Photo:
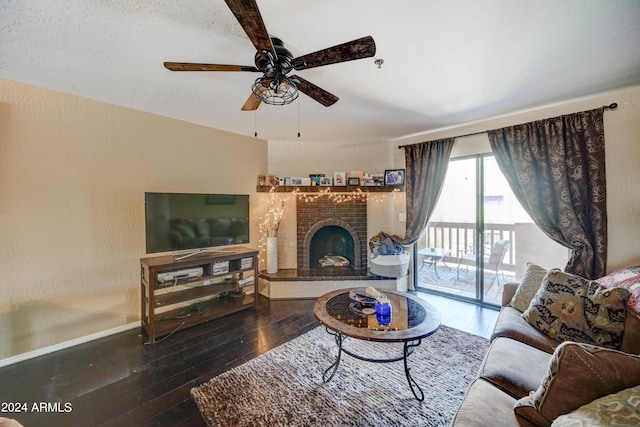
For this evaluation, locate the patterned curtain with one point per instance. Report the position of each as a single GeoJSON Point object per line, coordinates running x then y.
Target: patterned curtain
{"type": "Point", "coordinates": [556, 169]}
{"type": "Point", "coordinates": [426, 165]}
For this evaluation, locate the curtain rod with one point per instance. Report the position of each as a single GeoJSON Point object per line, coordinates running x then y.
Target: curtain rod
{"type": "Point", "coordinates": [611, 106]}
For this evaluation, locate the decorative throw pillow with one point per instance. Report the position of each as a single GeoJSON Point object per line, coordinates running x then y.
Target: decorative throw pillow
{"type": "Point", "coordinates": [571, 308]}
{"type": "Point", "coordinates": [618, 409]}
{"type": "Point", "coordinates": [528, 287]}
{"type": "Point", "coordinates": [628, 278]}
{"type": "Point", "coordinates": [578, 374]}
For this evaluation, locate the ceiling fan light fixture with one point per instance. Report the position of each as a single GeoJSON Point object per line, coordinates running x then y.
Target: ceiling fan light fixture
{"type": "Point", "coordinates": [279, 90]}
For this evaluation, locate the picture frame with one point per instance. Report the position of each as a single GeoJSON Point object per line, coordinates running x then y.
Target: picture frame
{"type": "Point", "coordinates": [354, 181]}
{"type": "Point", "coordinates": [340, 179]}
{"type": "Point", "coordinates": [315, 178]}
{"type": "Point", "coordinates": [378, 179]}
{"type": "Point", "coordinates": [394, 177]}
{"type": "Point", "coordinates": [368, 181]}
{"type": "Point", "coordinates": [296, 181]}
{"type": "Point", "coordinates": [326, 181]}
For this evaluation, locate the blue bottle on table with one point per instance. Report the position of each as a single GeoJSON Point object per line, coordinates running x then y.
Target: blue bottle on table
{"type": "Point", "coordinates": [383, 312]}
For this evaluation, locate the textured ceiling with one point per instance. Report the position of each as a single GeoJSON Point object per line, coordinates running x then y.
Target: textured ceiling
{"type": "Point", "coordinates": [445, 62]}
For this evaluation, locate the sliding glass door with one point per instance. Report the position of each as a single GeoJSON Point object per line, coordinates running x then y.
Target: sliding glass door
{"type": "Point", "coordinates": [479, 236]}
{"type": "Point", "coordinates": [450, 234]}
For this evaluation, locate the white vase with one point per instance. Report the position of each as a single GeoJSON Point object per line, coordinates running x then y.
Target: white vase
{"type": "Point", "coordinates": [272, 254]}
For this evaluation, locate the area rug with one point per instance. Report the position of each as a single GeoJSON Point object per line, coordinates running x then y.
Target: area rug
{"type": "Point", "coordinates": [284, 386]}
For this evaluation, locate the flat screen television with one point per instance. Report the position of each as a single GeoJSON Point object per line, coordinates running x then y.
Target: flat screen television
{"type": "Point", "coordinates": [189, 221]}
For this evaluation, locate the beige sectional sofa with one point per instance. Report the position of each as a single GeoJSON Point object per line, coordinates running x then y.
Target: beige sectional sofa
{"type": "Point", "coordinates": [529, 378]}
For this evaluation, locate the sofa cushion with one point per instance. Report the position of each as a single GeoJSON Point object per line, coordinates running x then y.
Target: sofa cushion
{"type": "Point", "coordinates": [510, 324]}
{"type": "Point", "coordinates": [618, 409]}
{"type": "Point", "coordinates": [628, 278]}
{"type": "Point", "coordinates": [578, 374]}
{"type": "Point", "coordinates": [528, 287]}
{"type": "Point", "coordinates": [514, 367]}
{"type": "Point", "coordinates": [571, 308]}
{"type": "Point", "coordinates": [487, 406]}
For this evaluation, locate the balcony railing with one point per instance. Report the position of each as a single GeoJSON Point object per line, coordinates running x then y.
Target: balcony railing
{"type": "Point", "coordinates": [460, 238]}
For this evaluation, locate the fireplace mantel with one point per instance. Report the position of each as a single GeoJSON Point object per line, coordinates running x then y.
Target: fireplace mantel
{"type": "Point", "coordinates": [333, 189]}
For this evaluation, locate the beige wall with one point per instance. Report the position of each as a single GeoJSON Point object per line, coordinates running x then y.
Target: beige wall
{"type": "Point", "coordinates": [622, 139]}
{"type": "Point", "coordinates": [73, 173]}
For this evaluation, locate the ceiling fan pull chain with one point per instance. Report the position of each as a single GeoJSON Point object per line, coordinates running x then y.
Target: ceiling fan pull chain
{"type": "Point", "coordinates": [255, 123]}
{"type": "Point", "coordinates": [298, 117]}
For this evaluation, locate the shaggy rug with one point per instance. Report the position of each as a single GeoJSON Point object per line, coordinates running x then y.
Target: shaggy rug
{"type": "Point", "coordinates": [284, 386]}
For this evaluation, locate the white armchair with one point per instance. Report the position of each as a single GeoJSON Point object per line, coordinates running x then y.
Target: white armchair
{"type": "Point", "coordinates": [493, 261]}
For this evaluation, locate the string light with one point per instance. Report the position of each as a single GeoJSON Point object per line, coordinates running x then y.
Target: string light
{"type": "Point", "coordinates": [269, 223]}
{"type": "Point", "coordinates": [343, 197]}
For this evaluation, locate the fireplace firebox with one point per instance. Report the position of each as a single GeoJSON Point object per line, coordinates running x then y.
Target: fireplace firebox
{"type": "Point", "coordinates": [331, 246]}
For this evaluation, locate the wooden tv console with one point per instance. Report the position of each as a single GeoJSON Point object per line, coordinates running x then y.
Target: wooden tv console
{"type": "Point", "coordinates": [177, 294]}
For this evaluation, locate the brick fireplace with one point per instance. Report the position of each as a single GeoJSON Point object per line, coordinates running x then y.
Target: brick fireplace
{"type": "Point", "coordinates": [325, 226]}
{"type": "Point", "coordinates": [329, 227]}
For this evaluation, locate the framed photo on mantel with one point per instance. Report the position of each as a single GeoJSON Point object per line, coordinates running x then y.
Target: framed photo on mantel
{"type": "Point", "coordinates": [315, 178]}
{"type": "Point", "coordinates": [354, 181]}
{"type": "Point", "coordinates": [326, 181]}
{"type": "Point", "coordinates": [394, 177]}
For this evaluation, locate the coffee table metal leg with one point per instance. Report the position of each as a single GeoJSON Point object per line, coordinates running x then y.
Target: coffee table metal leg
{"type": "Point", "coordinates": [334, 367]}
{"type": "Point", "coordinates": [415, 388]}
{"type": "Point", "coordinates": [409, 347]}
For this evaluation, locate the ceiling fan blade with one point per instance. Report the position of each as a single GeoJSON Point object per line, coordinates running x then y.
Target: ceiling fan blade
{"type": "Point", "coordinates": [322, 96]}
{"type": "Point", "coordinates": [188, 66]}
{"type": "Point", "coordinates": [250, 19]}
{"type": "Point", "coordinates": [364, 47]}
{"type": "Point", "coordinates": [252, 103]}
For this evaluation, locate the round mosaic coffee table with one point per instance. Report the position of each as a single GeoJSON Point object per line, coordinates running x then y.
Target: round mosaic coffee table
{"type": "Point", "coordinates": [411, 320]}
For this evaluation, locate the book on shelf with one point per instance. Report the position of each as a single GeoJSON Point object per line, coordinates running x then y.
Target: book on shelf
{"type": "Point", "coordinates": [221, 267]}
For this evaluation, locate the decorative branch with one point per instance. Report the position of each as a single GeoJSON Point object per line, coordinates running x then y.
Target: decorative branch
{"type": "Point", "coordinates": [269, 224]}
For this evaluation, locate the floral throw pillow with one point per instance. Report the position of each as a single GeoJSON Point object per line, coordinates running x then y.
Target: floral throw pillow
{"type": "Point", "coordinates": [617, 409]}
{"type": "Point", "coordinates": [571, 308]}
{"type": "Point", "coordinates": [628, 278]}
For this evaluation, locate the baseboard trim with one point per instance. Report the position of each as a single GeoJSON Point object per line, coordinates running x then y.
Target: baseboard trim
{"type": "Point", "coordinates": [310, 289]}
{"type": "Point", "coordinates": [66, 344]}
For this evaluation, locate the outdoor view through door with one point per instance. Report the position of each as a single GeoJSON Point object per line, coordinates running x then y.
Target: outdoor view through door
{"type": "Point", "coordinates": [479, 236]}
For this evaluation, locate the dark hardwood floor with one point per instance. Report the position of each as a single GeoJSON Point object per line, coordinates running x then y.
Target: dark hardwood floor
{"type": "Point", "coordinates": [119, 381]}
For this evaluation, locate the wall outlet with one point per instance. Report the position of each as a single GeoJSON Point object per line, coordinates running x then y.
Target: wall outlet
{"type": "Point", "coordinates": [402, 217]}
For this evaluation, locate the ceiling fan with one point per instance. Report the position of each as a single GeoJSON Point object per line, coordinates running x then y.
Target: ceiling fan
{"type": "Point", "coordinates": [275, 62]}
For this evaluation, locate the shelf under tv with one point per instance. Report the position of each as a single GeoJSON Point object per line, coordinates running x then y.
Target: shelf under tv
{"type": "Point", "coordinates": [228, 283]}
